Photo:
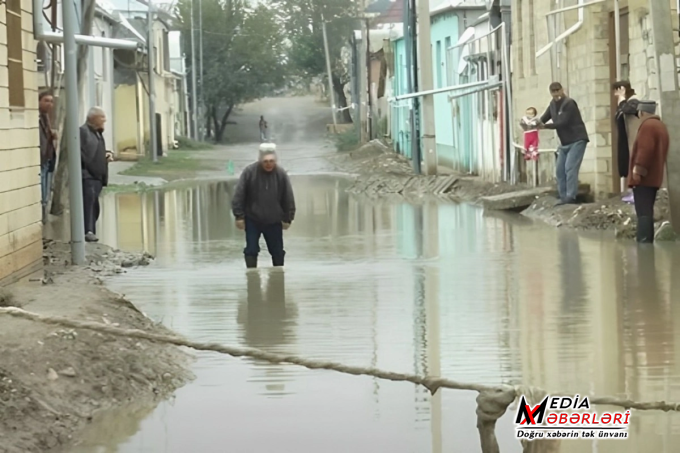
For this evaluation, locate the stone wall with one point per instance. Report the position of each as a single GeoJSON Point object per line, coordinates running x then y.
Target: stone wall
{"type": "Point", "coordinates": [20, 213]}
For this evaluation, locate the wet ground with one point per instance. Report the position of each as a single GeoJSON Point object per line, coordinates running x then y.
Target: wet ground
{"type": "Point", "coordinates": [436, 289]}
{"type": "Point", "coordinates": [432, 289]}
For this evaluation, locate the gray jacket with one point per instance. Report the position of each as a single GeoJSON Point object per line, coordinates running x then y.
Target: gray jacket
{"type": "Point", "coordinates": [264, 197]}
{"type": "Point", "coordinates": [93, 155]}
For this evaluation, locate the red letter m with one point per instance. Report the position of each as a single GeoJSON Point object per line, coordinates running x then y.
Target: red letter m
{"type": "Point", "coordinates": [526, 414]}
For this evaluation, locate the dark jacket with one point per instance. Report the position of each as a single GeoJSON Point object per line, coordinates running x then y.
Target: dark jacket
{"type": "Point", "coordinates": [566, 119]}
{"type": "Point", "coordinates": [264, 197]}
{"type": "Point", "coordinates": [93, 155]}
{"type": "Point", "coordinates": [47, 151]}
{"type": "Point", "coordinates": [649, 153]}
{"type": "Point", "coordinates": [627, 125]}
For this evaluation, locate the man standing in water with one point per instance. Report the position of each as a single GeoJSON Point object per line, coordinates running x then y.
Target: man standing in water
{"type": "Point", "coordinates": [264, 205]}
{"type": "Point", "coordinates": [646, 171]}
{"type": "Point", "coordinates": [566, 119]}
{"type": "Point", "coordinates": [263, 129]}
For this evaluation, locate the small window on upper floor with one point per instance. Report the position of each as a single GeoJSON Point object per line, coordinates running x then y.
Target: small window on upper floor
{"type": "Point", "coordinates": [15, 54]}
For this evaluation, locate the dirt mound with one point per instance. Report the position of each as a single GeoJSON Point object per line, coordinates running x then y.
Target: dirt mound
{"type": "Point", "coordinates": [52, 380]}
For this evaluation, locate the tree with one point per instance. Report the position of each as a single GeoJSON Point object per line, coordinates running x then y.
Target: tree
{"type": "Point", "coordinates": [303, 22]}
{"type": "Point", "coordinates": [243, 55]}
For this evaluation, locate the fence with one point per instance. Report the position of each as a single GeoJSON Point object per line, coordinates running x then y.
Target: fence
{"type": "Point", "coordinates": [479, 115]}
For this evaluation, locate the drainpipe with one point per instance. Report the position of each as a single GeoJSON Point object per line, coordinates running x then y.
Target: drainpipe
{"type": "Point", "coordinates": [617, 33]}
{"type": "Point", "coordinates": [56, 37]}
{"type": "Point", "coordinates": [573, 29]}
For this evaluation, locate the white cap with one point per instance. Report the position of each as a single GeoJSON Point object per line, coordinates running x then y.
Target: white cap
{"type": "Point", "coordinates": [268, 147]}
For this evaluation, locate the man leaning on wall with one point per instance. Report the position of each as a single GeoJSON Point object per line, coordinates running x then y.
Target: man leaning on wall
{"type": "Point", "coordinates": [48, 149]}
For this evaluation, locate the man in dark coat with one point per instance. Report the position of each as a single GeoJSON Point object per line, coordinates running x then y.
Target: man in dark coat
{"type": "Point", "coordinates": [264, 205]}
{"type": "Point", "coordinates": [566, 119]}
{"type": "Point", "coordinates": [647, 164]}
{"type": "Point", "coordinates": [48, 152]}
{"type": "Point", "coordinates": [94, 160]}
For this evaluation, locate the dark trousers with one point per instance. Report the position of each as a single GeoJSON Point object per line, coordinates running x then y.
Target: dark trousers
{"type": "Point", "coordinates": [92, 188]}
{"type": "Point", "coordinates": [644, 198]}
{"type": "Point", "coordinates": [273, 236]}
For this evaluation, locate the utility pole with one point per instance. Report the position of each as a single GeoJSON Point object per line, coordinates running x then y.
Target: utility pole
{"type": "Point", "coordinates": [425, 65]}
{"type": "Point", "coordinates": [151, 57]}
{"type": "Point", "coordinates": [194, 92]}
{"type": "Point", "coordinates": [75, 184]}
{"type": "Point", "coordinates": [412, 80]}
{"type": "Point", "coordinates": [331, 95]}
{"type": "Point", "coordinates": [200, 65]}
{"type": "Point", "coordinates": [363, 64]}
{"type": "Point", "coordinates": [669, 97]}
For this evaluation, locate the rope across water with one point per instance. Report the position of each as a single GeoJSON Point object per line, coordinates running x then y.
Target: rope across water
{"type": "Point", "coordinates": [492, 401]}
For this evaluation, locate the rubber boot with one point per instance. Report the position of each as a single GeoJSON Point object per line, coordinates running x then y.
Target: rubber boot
{"type": "Point", "coordinates": [277, 261]}
{"type": "Point", "coordinates": [645, 230]}
{"type": "Point", "coordinates": [251, 262]}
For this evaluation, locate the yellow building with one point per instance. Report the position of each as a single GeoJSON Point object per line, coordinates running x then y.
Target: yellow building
{"type": "Point", "coordinates": [586, 65]}
{"type": "Point", "coordinates": [20, 216]}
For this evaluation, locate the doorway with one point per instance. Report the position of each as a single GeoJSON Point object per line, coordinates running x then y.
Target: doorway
{"type": "Point", "coordinates": [159, 135]}
{"type": "Point", "coordinates": [625, 75]}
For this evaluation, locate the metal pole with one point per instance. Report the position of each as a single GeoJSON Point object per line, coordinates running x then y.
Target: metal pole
{"type": "Point", "coordinates": [153, 139]}
{"type": "Point", "coordinates": [331, 95]}
{"type": "Point", "coordinates": [425, 64]}
{"type": "Point", "coordinates": [73, 134]}
{"type": "Point", "coordinates": [200, 65]}
{"type": "Point", "coordinates": [194, 92]}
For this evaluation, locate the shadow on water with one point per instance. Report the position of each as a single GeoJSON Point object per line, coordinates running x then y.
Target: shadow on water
{"type": "Point", "coordinates": [428, 289]}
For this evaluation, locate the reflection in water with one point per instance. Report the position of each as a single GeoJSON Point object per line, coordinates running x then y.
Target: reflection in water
{"type": "Point", "coordinates": [430, 289]}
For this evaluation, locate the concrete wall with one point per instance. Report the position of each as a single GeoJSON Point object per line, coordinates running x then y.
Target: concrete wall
{"type": "Point", "coordinates": [20, 227]}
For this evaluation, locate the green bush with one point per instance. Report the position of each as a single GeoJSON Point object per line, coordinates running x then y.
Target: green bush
{"type": "Point", "coordinates": [347, 140]}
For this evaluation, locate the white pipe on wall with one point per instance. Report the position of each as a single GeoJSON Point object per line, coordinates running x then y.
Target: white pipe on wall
{"type": "Point", "coordinates": [573, 29]}
{"type": "Point", "coordinates": [55, 37]}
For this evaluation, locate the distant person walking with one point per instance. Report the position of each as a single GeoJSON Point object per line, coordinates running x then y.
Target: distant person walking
{"type": "Point", "coordinates": [264, 205]}
{"type": "Point", "coordinates": [48, 150]}
{"type": "Point", "coordinates": [646, 170]}
{"type": "Point", "coordinates": [95, 168]}
{"type": "Point", "coordinates": [627, 125]}
{"type": "Point", "coordinates": [263, 129]}
{"type": "Point", "coordinates": [565, 118]}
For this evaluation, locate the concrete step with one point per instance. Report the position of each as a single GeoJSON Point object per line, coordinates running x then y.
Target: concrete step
{"type": "Point", "coordinates": [522, 199]}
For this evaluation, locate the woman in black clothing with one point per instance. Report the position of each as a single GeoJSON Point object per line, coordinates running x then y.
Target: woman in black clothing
{"type": "Point", "coordinates": [627, 125]}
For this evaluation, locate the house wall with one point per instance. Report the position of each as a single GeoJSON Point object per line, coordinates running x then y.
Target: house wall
{"type": "Point", "coordinates": [401, 130]}
{"type": "Point", "coordinates": [125, 119]}
{"type": "Point", "coordinates": [20, 213]}
{"type": "Point", "coordinates": [586, 75]}
{"type": "Point", "coordinates": [103, 80]}
{"type": "Point", "coordinates": [444, 33]}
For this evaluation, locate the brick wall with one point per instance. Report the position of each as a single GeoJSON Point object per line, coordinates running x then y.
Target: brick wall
{"type": "Point", "coordinates": [583, 71]}
{"type": "Point", "coordinates": [20, 227]}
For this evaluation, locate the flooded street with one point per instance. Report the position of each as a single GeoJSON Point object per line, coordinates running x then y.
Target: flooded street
{"type": "Point", "coordinates": [442, 290]}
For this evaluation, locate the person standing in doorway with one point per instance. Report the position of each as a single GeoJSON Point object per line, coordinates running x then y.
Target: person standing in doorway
{"type": "Point", "coordinates": [627, 125]}
{"type": "Point", "coordinates": [565, 118]}
{"type": "Point", "coordinates": [95, 168]}
{"type": "Point", "coordinates": [48, 150]}
{"type": "Point", "coordinates": [263, 129]}
{"type": "Point", "coordinates": [646, 169]}
{"type": "Point", "coordinates": [264, 205]}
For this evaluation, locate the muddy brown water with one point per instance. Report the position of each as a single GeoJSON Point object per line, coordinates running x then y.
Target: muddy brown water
{"type": "Point", "coordinates": [432, 289]}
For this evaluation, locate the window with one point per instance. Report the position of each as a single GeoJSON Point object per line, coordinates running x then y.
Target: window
{"type": "Point", "coordinates": [439, 64]}
{"type": "Point", "coordinates": [15, 54]}
{"type": "Point", "coordinates": [448, 65]}
{"type": "Point", "coordinates": [166, 51]}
